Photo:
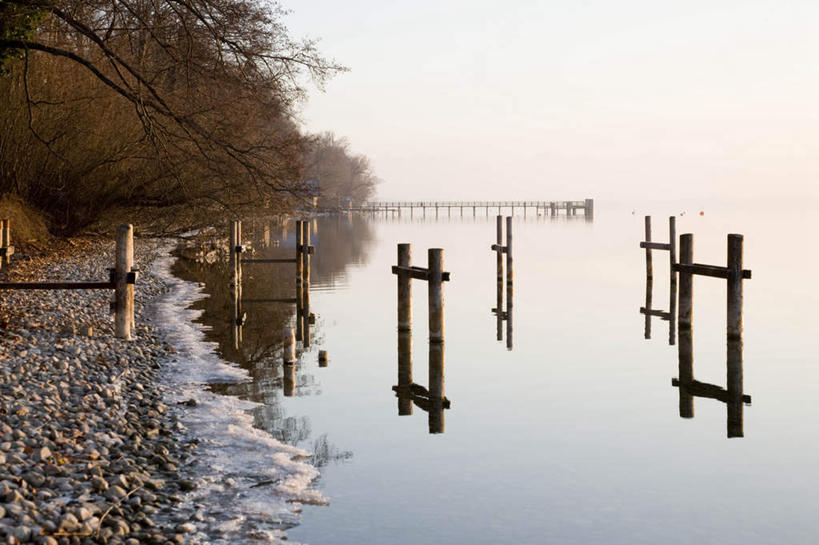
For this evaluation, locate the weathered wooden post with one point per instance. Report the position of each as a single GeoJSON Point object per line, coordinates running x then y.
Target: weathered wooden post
{"type": "Point", "coordinates": [306, 284]}
{"type": "Point", "coordinates": [686, 300]}
{"type": "Point", "coordinates": [734, 286]}
{"type": "Point", "coordinates": [436, 387]}
{"type": "Point", "coordinates": [510, 273]}
{"type": "Point", "coordinates": [649, 268]}
{"type": "Point", "coordinates": [499, 249]}
{"type": "Point", "coordinates": [435, 257]}
{"type": "Point", "coordinates": [589, 208]}
{"type": "Point", "coordinates": [299, 280]}
{"type": "Point", "coordinates": [672, 258]}
{"type": "Point", "coordinates": [404, 373]}
{"type": "Point", "coordinates": [404, 288]}
{"type": "Point", "coordinates": [649, 289]}
{"type": "Point", "coordinates": [124, 290]}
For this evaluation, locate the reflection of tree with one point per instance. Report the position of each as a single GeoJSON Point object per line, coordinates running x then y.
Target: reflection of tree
{"type": "Point", "coordinates": [324, 452]}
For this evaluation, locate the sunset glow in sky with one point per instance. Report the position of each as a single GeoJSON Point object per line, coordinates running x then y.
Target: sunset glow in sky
{"type": "Point", "coordinates": [557, 100]}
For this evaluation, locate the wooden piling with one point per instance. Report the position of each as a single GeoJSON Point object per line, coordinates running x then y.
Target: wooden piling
{"type": "Point", "coordinates": [672, 259]}
{"type": "Point", "coordinates": [404, 373]}
{"type": "Point", "coordinates": [649, 268]}
{"type": "Point", "coordinates": [509, 299]}
{"type": "Point", "coordinates": [686, 281]}
{"type": "Point", "coordinates": [588, 210]}
{"type": "Point", "coordinates": [306, 283]}
{"type": "Point", "coordinates": [499, 251]}
{"type": "Point", "coordinates": [323, 360]}
{"type": "Point", "coordinates": [436, 387]}
{"type": "Point", "coordinates": [299, 280]}
{"type": "Point", "coordinates": [734, 318]}
{"type": "Point", "coordinates": [510, 273]}
{"type": "Point", "coordinates": [435, 257]}
{"type": "Point", "coordinates": [124, 292]}
{"type": "Point", "coordinates": [649, 290]}
{"type": "Point", "coordinates": [404, 288]}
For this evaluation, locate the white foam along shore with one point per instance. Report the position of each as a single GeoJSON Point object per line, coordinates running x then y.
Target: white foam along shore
{"type": "Point", "coordinates": [249, 486]}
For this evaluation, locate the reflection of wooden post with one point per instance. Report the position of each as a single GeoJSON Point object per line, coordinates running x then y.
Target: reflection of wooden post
{"type": "Point", "coordinates": [323, 360]}
{"type": "Point", "coordinates": [299, 280]}
{"type": "Point", "coordinates": [588, 210]}
{"type": "Point", "coordinates": [734, 286]}
{"type": "Point", "coordinates": [435, 257]}
{"type": "Point", "coordinates": [436, 387]}
{"type": "Point", "coordinates": [288, 346]}
{"type": "Point", "coordinates": [686, 302]}
{"type": "Point", "coordinates": [289, 379]}
{"type": "Point", "coordinates": [649, 269]}
{"type": "Point", "coordinates": [305, 256]}
{"type": "Point", "coordinates": [123, 291]}
{"type": "Point", "coordinates": [509, 298]}
{"type": "Point", "coordinates": [404, 373]}
{"type": "Point", "coordinates": [686, 373]}
{"type": "Point", "coordinates": [499, 309]}
{"type": "Point", "coordinates": [734, 386]}
{"type": "Point", "coordinates": [649, 289]}
{"type": "Point", "coordinates": [404, 288]}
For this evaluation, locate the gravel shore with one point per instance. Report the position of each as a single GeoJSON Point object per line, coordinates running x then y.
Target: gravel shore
{"type": "Point", "coordinates": [88, 449]}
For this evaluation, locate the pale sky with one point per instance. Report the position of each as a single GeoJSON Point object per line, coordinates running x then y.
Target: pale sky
{"type": "Point", "coordinates": [615, 100]}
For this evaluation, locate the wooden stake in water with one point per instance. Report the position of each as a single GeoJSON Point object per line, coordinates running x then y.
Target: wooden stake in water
{"type": "Point", "coordinates": [123, 291]}
{"type": "Point", "coordinates": [299, 280]}
{"type": "Point", "coordinates": [734, 287]}
{"type": "Point", "coordinates": [404, 288]}
{"type": "Point", "coordinates": [686, 373]}
{"type": "Point", "coordinates": [686, 304]}
{"type": "Point", "coordinates": [510, 273]}
{"type": "Point", "coordinates": [499, 251]}
{"type": "Point", "coordinates": [672, 259]}
{"type": "Point", "coordinates": [306, 285]}
{"type": "Point", "coordinates": [435, 266]}
{"type": "Point", "coordinates": [649, 268]}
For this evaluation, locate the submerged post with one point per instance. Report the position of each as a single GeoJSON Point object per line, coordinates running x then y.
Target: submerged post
{"type": "Point", "coordinates": [404, 288]}
{"type": "Point", "coordinates": [686, 303]}
{"type": "Point", "coordinates": [124, 291]}
{"type": "Point", "coordinates": [435, 257]}
{"type": "Point", "coordinates": [735, 286]}
{"type": "Point", "coordinates": [436, 387]}
{"type": "Point", "coordinates": [649, 269]}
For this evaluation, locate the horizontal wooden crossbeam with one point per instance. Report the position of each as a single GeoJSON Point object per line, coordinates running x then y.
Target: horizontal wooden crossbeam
{"type": "Point", "coordinates": [658, 313]}
{"type": "Point", "coordinates": [500, 248]}
{"type": "Point", "coordinates": [7, 251]}
{"type": "Point", "coordinates": [57, 285]}
{"type": "Point", "coordinates": [279, 300]}
{"type": "Point", "coordinates": [713, 271]}
{"type": "Point", "coordinates": [418, 273]}
{"type": "Point", "coordinates": [710, 391]}
{"type": "Point", "coordinates": [271, 260]}
{"type": "Point", "coordinates": [656, 245]}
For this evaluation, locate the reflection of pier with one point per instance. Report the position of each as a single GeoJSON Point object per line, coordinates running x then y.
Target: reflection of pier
{"type": "Point", "coordinates": [553, 208]}
{"type": "Point", "coordinates": [431, 400]}
{"type": "Point", "coordinates": [499, 249]}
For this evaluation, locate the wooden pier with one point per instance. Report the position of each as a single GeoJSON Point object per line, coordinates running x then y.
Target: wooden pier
{"type": "Point", "coordinates": [552, 208]}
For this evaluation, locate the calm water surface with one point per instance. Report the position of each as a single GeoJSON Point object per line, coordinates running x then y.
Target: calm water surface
{"type": "Point", "coordinates": [572, 436]}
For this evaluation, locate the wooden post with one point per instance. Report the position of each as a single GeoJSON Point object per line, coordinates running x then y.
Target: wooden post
{"type": "Point", "coordinates": [499, 309]}
{"type": "Point", "coordinates": [404, 373]}
{"type": "Point", "coordinates": [672, 259]}
{"type": "Point", "coordinates": [499, 251]}
{"type": "Point", "coordinates": [589, 208]}
{"type": "Point", "coordinates": [649, 289]}
{"type": "Point", "coordinates": [734, 408]}
{"type": "Point", "coordinates": [436, 387]}
{"type": "Point", "coordinates": [686, 373]}
{"type": "Point", "coordinates": [553, 208]}
{"type": "Point", "coordinates": [305, 255]}
{"type": "Point", "coordinates": [404, 288]}
{"type": "Point", "coordinates": [649, 268]}
{"type": "Point", "coordinates": [510, 273]}
{"type": "Point", "coordinates": [124, 292]}
{"type": "Point", "coordinates": [686, 301]}
{"type": "Point", "coordinates": [509, 298]}
{"type": "Point", "coordinates": [435, 258]}
{"type": "Point", "coordinates": [735, 286]}
{"type": "Point", "coordinates": [299, 280]}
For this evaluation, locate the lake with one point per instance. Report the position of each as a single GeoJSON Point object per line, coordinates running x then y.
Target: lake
{"type": "Point", "coordinates": [571, 435]}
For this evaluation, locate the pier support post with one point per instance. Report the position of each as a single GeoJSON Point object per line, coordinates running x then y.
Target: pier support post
{"type": "Point", "coordinates": [124, 291]}
{"type": "Point", "coordinates": [734, 286]}
{"type": "Point", "coordinates": [686, 280]}
{"type": "Point", "coordinates": [435, 257]}
{"type": "Point", "coordinates": [404, 288]}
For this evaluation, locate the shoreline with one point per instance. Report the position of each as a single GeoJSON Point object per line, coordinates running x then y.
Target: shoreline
{"type": "Point", "coordinates": [88, 447]}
